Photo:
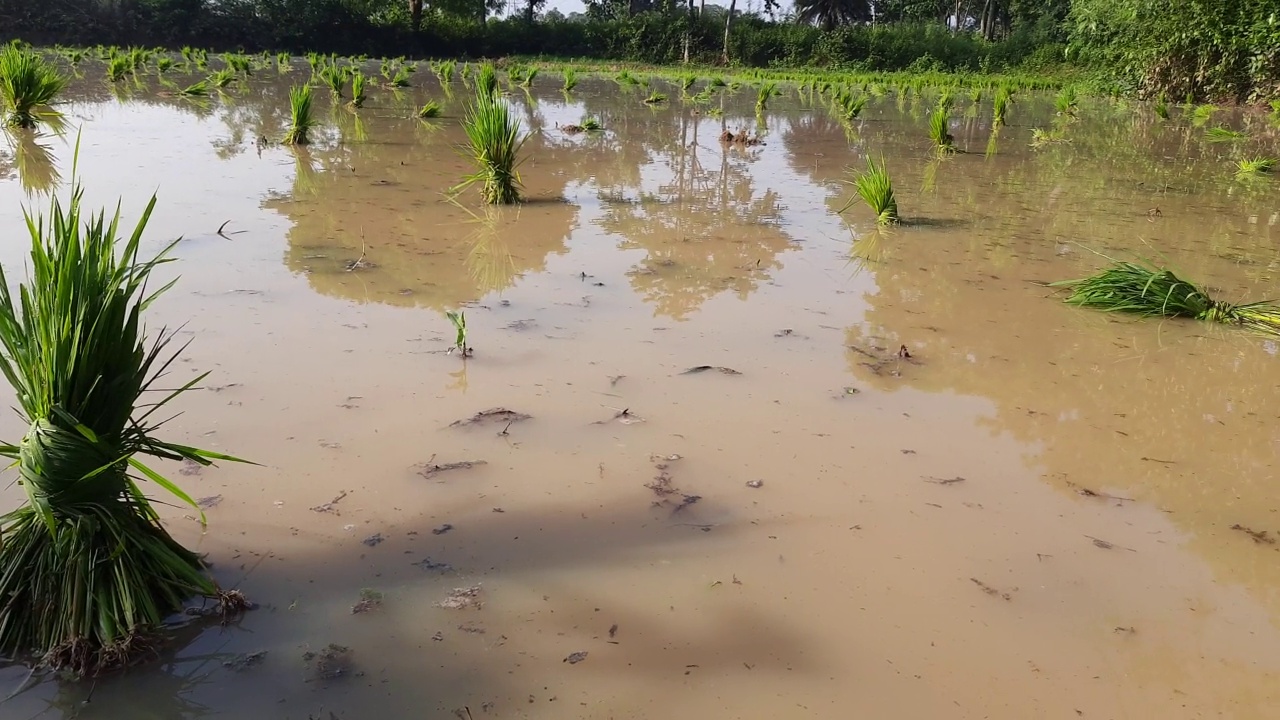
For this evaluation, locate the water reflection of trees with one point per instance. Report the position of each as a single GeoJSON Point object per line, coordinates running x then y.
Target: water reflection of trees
{"type": "Point", "coordinates": [694, 207]}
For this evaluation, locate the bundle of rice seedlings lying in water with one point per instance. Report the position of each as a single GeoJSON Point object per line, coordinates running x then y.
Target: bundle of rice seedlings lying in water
{"type": "Point", "coordinates": [87, 572]}
{"type": "Point", "coordinates": [26, 83]}
{"type": "Point", "coordinates": [1146, 290]}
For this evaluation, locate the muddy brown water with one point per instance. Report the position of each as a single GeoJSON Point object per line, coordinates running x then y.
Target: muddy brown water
{"type": "Point", "coordinates": [1085, 566]}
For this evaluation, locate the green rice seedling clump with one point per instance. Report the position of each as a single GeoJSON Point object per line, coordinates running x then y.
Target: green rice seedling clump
{"type": "Point", "coordinates": [431, 109]}
{"type": "Point", "coordinates": [1161, 107]}
{"type": "Point", "coordinates": [570, 79]}
{"type": "Point", "coordinates": [940, 130]}
{"type": "Point", "coordinates": [27, 82]}
{"type": "Point", "coordinates": [334, 77]}
{"type": "Point", "coordinates": [1253, 167]}
{"type": "Point", "coordinates": [301, 119]}
{"type": "Point", "coordinates": [487, 80]}
{"type": "Point", "coordinates": [164, 64]}
{"type": "Point", "coordinates": [222, 78]}
{"type": "Point", "coordinates": [850, 106]}
{"type": "Point", "coordinates": [1145, 290]}
{"type": "Point", "coordinates": [687, 82]}
{"type": "Point", "coordinates": [199, 88]}
{"type": "Point", "coordinates": [875, 187]}
{"type": "Point", "coordinates": [655, 98]}
{"type": "Point", "coordinates": [358, 92]}
{"type": "Point", "coordinates": [1000, 105]}
{"type": "Point", "coordinates": [494, 140]}
{"type": "Point", "coordinates": [88, 572]}
{"type": "Point", "coordinates": [590, 124]}
{"type": "Point", "coordinates": [1066, 101]}
{"type": "Point", "coordinates": [766, 91]}
{"type": "Point", "coordinates": [117, 68]}
{"type": "Point", "coordinates": [1223, 135]}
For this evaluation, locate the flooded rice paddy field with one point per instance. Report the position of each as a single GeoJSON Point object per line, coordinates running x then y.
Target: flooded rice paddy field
{"type": "Point", "coordinates": [1041, 512]}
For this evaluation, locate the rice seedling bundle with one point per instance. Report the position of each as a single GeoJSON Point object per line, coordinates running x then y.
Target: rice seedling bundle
{"type": "Point", "coordinates": [358, 93]}
{"type": "Point", "coordinates": [164, 64]}
{"type": "Point", "coordinates": [1065, 102]}
{"type": "Point", "coordinates": [570, 79]}
{"type": "Point", "coordinates": [334, 77]}
{"type": "Point", "coordinates": [222, 78]}
{"type": "Point", "coordinates": [1247, 168]}
{"type": "Point", "coordinates": [655, 98]}
{"type": "Point", "coordinates": [529, 75]}
{"type": "Point", "coordinates": [117, 67]}
{"type": "Point", "coordinates": [301, 120]}
{"type": "Point", "coordinates": [196, 89]}
{"type": "Point", "coordinates": [590, 124]}
{"type": "Point", "coordinates": [431, 109]}
{"type": "Point", "coordinates": [87, 572]}
{"type": "Point", "coordinates": [494, 140]}
{"type": "Point", "coordinates": [766, 91]}
{"type": "Point", "coordinates": [1221, 134]}
{"type": "Point", "coordinates": [940, 130]}
{"type": "Point", "coordinates": [687, 83]}
{"type": "Point", "coordinates": [1000, 105]}
{"type": "Point", "coordinates": [875, 187]}
{"type": "Point", "coordinates": [26, 83]}
{"type": "Point", "coordinates": [1202, 114]}
{"type": "Point", "coordinates": [850, 107]}
{"type": "Point", "coordinates": [487, 80]}
{"type": "Point", "coordinates": [1145, 290]}
{"type": "Point", "coordinates": [283, 62]}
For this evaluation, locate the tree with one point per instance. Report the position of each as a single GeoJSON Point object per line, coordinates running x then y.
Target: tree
{"type": "Point", "coordinates": [415, 14]}
{"type": "Point", "coordinates": [830, 14]}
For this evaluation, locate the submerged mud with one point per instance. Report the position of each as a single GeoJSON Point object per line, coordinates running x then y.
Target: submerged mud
{"type": "Point", "coordinates": [768, 461]}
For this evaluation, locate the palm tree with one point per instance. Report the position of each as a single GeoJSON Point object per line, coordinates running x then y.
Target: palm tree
{"type": "Point", "coordinates": [830, 14]}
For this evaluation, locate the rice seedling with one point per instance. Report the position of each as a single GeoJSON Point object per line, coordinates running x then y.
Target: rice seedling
{"type": "Point", "coordinates": [590, 124]}
{"type": "Point", "coordinates": [283, 62]}
{"type": "Point", "coordinates": [1249, 168]}
{"type": "Point", "coordinates": [993, 143]}
{"type": "Point", "coordinates": [301, 120]}
{"type": "Point", "coordinates": [766, 91]}
{"type": "Point", "coordinates": [515, 75]}
{"type": "Point", "coordinates": [239, 64]}
{"type": "Point", "coordinates": [529, 75]}
{"type": "Point", "coordinates": [1221, 134]}
{"type": "Point", "coordinates": [117, 68]}
{"type": "Point", "coordinates": [400, 79]}
{"type": "Point", "coordinates": [464, 75]}
{"type": "Point", "coordinates": [75, 57]}
{"type": "Point", "coordinates": [431, 109]}
{"type": "Point", "coordinates": [1066, 102]}
{"type": "Point", "coordinates": [570, 79]}
{"type": "Point", "coordinates": [1146, 290]}
{"type": "Point", "coordinates": [940, 130]}
{"type": "Point", "coordinates": [1202, 114]}
{"type": "Point", "coordinates": [687, 83]}
{"type": "Point", "coordinates": [334, 77]}
{"type": "Point", "coordinates": [1161, 107]}
{"type": "Point", "coordinates": [850, 106]}
{"type": "Point", "coordinates": [975, 95]}
{"type": "Point", "coordinates": [717, 82]}
{"type": "Point", "coordinates": [27, 82]}
{"type": "Point", "coordinates": [875, 187]}
{"type": "Point", "coordinates": [87, 570]}
{"type": "Point", "coordinates": [358, 93]}
{"type": "Point", "coordinates": [625, 78]}
{"type": "Point", "coordinates": [655, 98]}
{"type": "Point", "coordinates": [1041, 137]}
{"type": "Point", "coordinates": [459, 322]}
{"type": "Point", "coordinates": [946, 99]}
{"type": "Point", "coordinates": [494, 140]}
{"type": "Point", "coordinates": [443, 70]}
{"type": "Point", "coordinates": [1000, 105]}
{"type": "Point", "coordinates": [164, 64]}
{"type": "Point", "coordinates": [487, 80]}
{"type": "Point", "coordinates": [196, 89]}
{"type": "Point", "coordinates": [1275, 111]}
{"type": "Point", "coordinates": [222, 78]}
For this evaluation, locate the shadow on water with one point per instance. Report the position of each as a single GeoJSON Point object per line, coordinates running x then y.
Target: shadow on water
{"type": "Point", "coordinates": [501, 661]}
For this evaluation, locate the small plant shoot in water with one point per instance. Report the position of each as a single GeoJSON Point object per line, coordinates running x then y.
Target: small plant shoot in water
{"type": "Point", "coordinates": [459, 321]}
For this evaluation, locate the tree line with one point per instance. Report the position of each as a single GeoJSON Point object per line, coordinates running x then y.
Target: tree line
{"type": "Point", "coordinates": [1225, 49]}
